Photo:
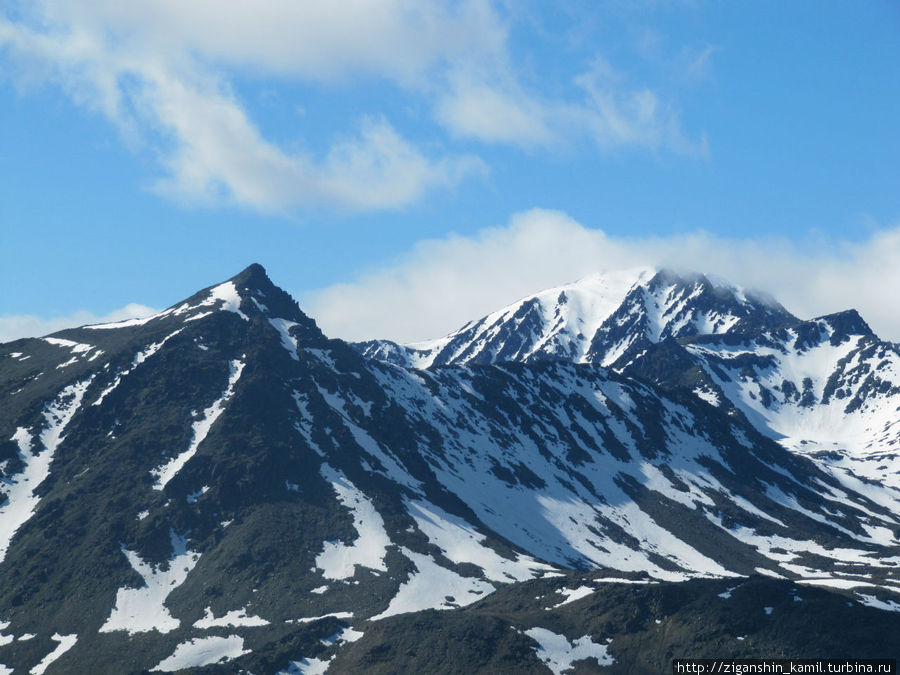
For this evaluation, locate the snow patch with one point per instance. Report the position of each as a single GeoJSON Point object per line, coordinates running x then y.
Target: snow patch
{"type": "Point", "coordinates": [139, 610]}
{"type": "Point", "coordinates": [76, 347]}
{"type": "Point", "coordinates": [432, 586]}
{"type": "Point", "coordinates": [234, 619]}
{"type": "Point", "coordinates": [339, 560]}
{"type": "Point", "coordinates": [835, 583]}
{"type": "Point", "coordinates": [558, 654]}
{"type": "Point", "coordinates": [290, 343]}
{"type": "Point", "coordinates": [310, 619]}
{"type": "Point", "coordinates": [314, 666]}
{"type": "Point", "coordinates": [231, 299]}
{"type": "Point", "coordinates": [573, 594]}
{"type": "Point", "coordinates": [194, 496]}
{"type": "Point", "coordinates": [203, 652]}
{"type": "Point", "coordinates": [872, 601]}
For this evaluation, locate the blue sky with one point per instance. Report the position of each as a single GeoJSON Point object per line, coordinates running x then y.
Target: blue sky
{"type": "Point", "coordinates": [401, 166]}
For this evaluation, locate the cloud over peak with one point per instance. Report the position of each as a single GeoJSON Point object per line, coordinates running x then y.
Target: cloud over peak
{"type": "Point", "coordinates": [442, 283]}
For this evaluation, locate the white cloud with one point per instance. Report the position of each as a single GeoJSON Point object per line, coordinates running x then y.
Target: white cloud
{"type": "Point", "coordinates": [440, 284]}
{"type": "Point", "coordinates": [320, 40]}
{"type": "Point", "coordinates": [162, 72]}
{"type": "Point", "coordinates": [156, 71]}
{"type": "Point", "coordinates": [609, 111]}
{"type": "Point", "coordinates": [13, 327]}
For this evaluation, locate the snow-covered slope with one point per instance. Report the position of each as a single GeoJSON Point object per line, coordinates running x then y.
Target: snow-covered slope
{"type": "Point", "coordinates": [828, 388]}
{"type": "Point", "coordinates": [606, 318]}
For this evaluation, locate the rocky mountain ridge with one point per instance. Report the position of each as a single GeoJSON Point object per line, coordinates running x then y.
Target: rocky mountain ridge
{"type": "Point", "coordinates": [222, 488]}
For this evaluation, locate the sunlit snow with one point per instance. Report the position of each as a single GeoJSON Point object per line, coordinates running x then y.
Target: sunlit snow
{"type": "Point", "coordinates": [339, 560]}
{"type": "Point", "coordinates": [143, 609]}
{"type": "Point", "coordinates": [573, 594]}
{"type": "Point", "coordinates": [20, 488]}
{"type": "Point", "coordinates": [558, 654]}
{"type": "Point", "coordinates": [429, 587]}
{"type": "Point", "coordinates": [234, 619]}
{"type": "Point", "coordinates": [66, 642]}
{"type": "Point", "coordinates": [203, 652]}
{"type": "Point", "coordinates": [461, 543]}
{"type": "Point", "coordinates": [283, 326]}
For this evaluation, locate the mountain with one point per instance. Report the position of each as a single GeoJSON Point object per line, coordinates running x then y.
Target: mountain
{"type": "Point", "coordinates": [606, 319]}
{"type": "Point", "coordinates": [222, 488]}
{"type": "Point", "coordinates": [828, 388]}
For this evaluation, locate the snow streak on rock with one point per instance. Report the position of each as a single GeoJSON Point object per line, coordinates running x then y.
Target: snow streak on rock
{"type": "Point", "coordinates": [461, 543]}
{"type": "Point", "coordinates": [138, 359]}
{"type": "Point", "coordinates": [283, 326]}
{"type": "Point", "coordinates": [66, 642]}
{"type": "Point", "coordinates": [21, 500]}
{"type": "Point", "coordinates": [201, 427]}
{"type": "Point", "coordinates": [339, 560]}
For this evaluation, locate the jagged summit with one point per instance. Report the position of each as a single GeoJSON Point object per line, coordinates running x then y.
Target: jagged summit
{"type": "Point", "coordinates": [606, 318]}
{"type": "Point", "coordinates": [825, 386]}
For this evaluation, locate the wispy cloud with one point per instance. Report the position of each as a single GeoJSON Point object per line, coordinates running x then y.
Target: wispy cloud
{"type": "Point", "coordinates": [156, 73]}
{"type": "Point", "coordinates": [608, 110]}
{"type": "Point", "coordinates": [13, 327]}
{"type": "Point", "coordinates": [163, 73]}
{"type": "Point", "coordinates": [442, 283]}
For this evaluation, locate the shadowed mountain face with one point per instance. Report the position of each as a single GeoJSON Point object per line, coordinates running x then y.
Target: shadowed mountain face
{"type": "Point", "coordinates": [222, 487]}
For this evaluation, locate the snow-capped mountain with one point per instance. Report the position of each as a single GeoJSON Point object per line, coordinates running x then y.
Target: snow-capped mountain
{"type": "Point", "coordinates": [828, 387]}
{"type": "Point", "coordinates": [221, 487]}
{"type": "Point", "coordinates": [606, 319]}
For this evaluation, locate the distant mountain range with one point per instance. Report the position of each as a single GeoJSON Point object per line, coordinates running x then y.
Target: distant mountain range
{"type": "Point", "coordinates": [632, 468]}
{"type": "Point", "coordinates": [828, 387]}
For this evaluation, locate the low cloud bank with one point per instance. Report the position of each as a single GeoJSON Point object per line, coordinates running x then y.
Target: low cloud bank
{"type": "Point", "coordinates": [442, 283]}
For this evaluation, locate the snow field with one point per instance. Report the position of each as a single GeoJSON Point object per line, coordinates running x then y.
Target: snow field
{"type": "Point", "coordinates": [339, 560]}
{"type": "Point", "coordinates": [139, 610]}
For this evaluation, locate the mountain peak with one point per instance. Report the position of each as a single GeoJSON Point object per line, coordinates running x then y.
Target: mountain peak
{"type": "Point", "coordinates": [252, 276]}
{"type": "Point", "coordinates": [606, 318]}
{"type": "Point", "coordinates": [251, 292]}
